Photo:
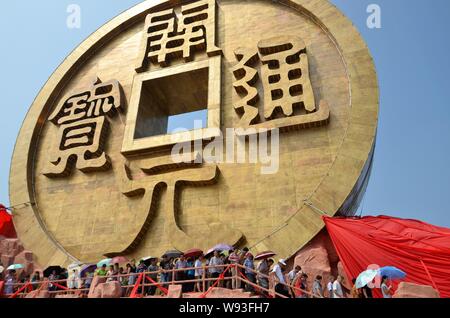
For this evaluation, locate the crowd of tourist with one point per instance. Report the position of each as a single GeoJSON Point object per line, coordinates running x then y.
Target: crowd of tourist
{"type": "Point", "coordinates": [191, 272]}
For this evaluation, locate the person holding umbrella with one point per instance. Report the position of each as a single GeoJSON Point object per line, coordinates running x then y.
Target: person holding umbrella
{"type": "Point", "coordinates": [213, 262]}
{"type": "Point", "coordinates": [142, 268]}
{"type": "Point", "coordinates": [86, 275]}
{"type": "Point", "coordinates": [53, 277]}
{"type": "Point", "coordinates": [385, 289]}
{"type": "Point", "coordinates": [389, 273]}
{"type": "Point", "coordinates": [102, 271]}
{"type": "Point", "coordinates": [131, 270]}
{"type": "Point", "coordinates": [35, 279]}
{"type": "Point", "coordinates": [191, 257]}
{"type": "Point", "coordinates": [10, 280]}
{"type": "Point", "coordinates": [366, 292]}
{"type": "Point", "coordinates": [364, 279]}
{"type": "Point", "coordinates": [263, 268]}
{"type": "Point", "coordinates": [165, 265]}
{"type": "Point", "coordinates": [88, 280]}
{"type": "Point", "coordinates": [181, 275]}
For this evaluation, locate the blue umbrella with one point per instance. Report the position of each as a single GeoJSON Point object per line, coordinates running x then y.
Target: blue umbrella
{"type": "Point", "coordinates": [15, 267]}
{"type": "Point", "coordinates": [365, 277]}
{"type": "Point", "coordinates": [391, 272]}
{"type": "Point", "coordinates": [105, 261]}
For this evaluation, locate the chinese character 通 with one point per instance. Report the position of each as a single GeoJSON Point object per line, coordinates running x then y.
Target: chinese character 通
{"type": "Point", "coordinates": [285, 81]}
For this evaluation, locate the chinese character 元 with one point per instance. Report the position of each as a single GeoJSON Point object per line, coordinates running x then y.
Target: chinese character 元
{"type": "Point", "coordinates": [161, 174]}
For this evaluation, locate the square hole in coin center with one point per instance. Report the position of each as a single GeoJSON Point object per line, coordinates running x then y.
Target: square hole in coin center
{"type": "Point", "coordinates": [172, 102]}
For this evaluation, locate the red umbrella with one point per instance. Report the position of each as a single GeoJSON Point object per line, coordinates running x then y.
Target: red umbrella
{"type": "Point", "coordinates": [119, 260]}
{"type": "Point", "coordinates": [264, 255]}
{"type": "Point", "coordinates": [194, 252]}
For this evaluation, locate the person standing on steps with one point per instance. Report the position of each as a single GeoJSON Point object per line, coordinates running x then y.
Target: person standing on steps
{"type": "Point", "coordinates": [337, 287]}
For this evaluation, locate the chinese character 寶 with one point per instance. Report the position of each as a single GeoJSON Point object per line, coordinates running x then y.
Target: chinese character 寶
{"type": "Point", "coordinates": [83, 129]}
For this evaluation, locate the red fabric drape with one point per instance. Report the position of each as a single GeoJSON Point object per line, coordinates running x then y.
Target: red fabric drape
{"type": "Point", "coordinates": [419, 249]}
{"type": "Point", "coordinates": [6, 224]}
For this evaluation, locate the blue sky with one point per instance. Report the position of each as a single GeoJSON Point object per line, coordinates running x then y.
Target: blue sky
{"type": "Point", "coordinates": [411, 174]}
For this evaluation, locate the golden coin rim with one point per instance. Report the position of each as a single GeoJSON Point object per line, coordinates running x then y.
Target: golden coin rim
{"type": "Point", "coordinates": [330, 194]}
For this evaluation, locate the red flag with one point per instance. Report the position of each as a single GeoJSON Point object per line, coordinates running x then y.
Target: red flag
{"type": "Point", "coordinates": [6, 224]}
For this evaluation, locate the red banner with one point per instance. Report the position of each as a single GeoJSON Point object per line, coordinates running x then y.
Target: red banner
{"type": "Point", "coordinates": [6, 224]}
{"type": "Point", "coordinates": [419, 249]}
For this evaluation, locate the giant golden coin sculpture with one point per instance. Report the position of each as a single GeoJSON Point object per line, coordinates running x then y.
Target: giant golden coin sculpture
{"type": "Point", "coordinates": [93, 171]}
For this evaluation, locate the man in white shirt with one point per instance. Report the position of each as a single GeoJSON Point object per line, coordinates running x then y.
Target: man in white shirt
{"type": "Point", "coordinates": [199, 267]}
{"type": "Point", "coordinates": [214, 271]}
{"type": "Point", "coordinates": [278, 269]}
{"type": "Point", "coordinates": [280, 284]}
{"type": "Point", "coordinates": [337, 288]}
{"type": "Point", "coordinates": [199, 272]}
{"type": "Point", "coordinates": [330, 287]}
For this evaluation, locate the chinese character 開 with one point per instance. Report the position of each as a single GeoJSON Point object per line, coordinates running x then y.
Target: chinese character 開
{"type": "Point", "coordinates": [167, 35]}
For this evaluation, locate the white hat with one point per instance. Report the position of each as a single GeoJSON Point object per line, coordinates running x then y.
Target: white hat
{"type": "Point", "coordinates": [282, 261]}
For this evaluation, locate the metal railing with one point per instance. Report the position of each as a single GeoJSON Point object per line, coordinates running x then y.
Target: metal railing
{"type": "Point", "coordinates": [201, 284]}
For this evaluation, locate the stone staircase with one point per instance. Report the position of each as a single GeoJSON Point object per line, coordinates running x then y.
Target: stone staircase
{"type": "Point", "coordinates": [101, 289]}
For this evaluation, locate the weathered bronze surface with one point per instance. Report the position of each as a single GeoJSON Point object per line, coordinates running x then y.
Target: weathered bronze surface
{"type": "Point", "coordinates": [100, 186]}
